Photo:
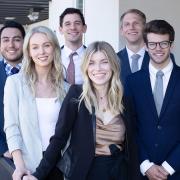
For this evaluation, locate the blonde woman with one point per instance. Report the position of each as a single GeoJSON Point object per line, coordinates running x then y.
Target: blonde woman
{"type": "Point", "coordinates": [101, 145]}
{"type": "Point", "coordinates": [32, 100]}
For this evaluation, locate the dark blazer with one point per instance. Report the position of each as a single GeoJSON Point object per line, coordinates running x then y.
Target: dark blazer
{"type": "Point", "coordinates": [3, 144]}
{"type": "Point", "coordinates": [79, 123]}
{"type": "Point", "coordinates": [125, 66]}
{"type": "Point", "coordinates": [158, 137]}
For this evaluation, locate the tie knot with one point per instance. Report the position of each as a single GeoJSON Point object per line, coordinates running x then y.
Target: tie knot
{"type": "Point", "coordinates": [72, 54]}
{"type": "Point", "coordinates": [159, 74]}
{"type": "Point", "coordinates": [14, 70]}
{"type": "Point", "coordinates": [135, 57]}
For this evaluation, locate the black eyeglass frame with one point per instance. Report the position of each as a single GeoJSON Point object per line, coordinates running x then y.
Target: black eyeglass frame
{"type": "Point", "coordinates": [162, 44]}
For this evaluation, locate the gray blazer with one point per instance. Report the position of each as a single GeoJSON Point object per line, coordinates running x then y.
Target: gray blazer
{"type": "Point", "coordinates": [21, 121]}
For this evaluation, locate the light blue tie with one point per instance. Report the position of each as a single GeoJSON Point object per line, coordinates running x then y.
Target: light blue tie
{"type": "Point", "coordinates": [158, 91]}
{"type": "Point", "coordinates": [134, 65]}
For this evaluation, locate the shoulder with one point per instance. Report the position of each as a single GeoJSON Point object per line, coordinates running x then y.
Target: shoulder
{"type": "Point", "coordinates": [122, 52]}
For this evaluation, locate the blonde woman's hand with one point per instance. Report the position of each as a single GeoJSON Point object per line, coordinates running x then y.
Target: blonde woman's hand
{"type": "Point", "coordinates": [29, 177]}
{"type": "Point", "coordinates": [19, 173]}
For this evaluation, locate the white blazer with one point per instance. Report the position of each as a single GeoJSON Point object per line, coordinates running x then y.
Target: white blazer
{"type": "Point", "coordinates": [21, 120]}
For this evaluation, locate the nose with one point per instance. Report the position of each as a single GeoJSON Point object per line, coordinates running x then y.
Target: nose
{"type": "Point", "coordinates": [72, 26]}
{"type": "Point", "coordinates": [41, 50]}
{"type": "Point", "coordinates": [11, 43]}
{"type": "Point", "coordinates": [158, 47]}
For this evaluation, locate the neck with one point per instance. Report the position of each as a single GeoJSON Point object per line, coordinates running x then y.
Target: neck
{"type": "Point", "coordinates": [42, 74]}
{"type": "Point", "coordinates": [101, 92]}
{"type": "Point", "coordinates": [135, 47]}
{"type": "Point", "coordinates": [73, 46]}
{"type": "Point", "coordinates": [14, 63]}
{"type": "Point", "coordinates": [160, 65]}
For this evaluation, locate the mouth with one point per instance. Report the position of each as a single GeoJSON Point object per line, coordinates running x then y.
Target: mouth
{"type": "Point", "coordinates": [44, 58]}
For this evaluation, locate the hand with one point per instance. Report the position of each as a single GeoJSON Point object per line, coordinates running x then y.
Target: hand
{"type": "Point", "coordinates": [19, 173]}
{"type": "Point", "coordinates": [7, 154]}
{"type": "Point", "coordinates": [29, 177]}
{"type": "Point", "coordinates": [156, 172]}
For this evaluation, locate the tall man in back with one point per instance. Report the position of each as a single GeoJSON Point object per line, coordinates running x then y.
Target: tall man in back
{"type": "Point", "coordinates": [133, 57]}
{"type": "Point", "coordinates": [11, 44]}
{"type": "Point", "coordinates": [156, 98]}
{"type": "Point", "coordinates": [72, 27]}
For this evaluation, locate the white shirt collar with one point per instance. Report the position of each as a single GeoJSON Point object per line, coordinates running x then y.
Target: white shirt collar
{"type": "Point", "coordinates": [140, 52]}
{"type": "Point", "coordinates": [165, 70]}
{"type": "Point", "coordinates": [68, 51]}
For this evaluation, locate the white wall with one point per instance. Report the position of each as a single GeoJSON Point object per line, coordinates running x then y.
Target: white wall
{"type": "Point", "coordinates": [102, 18]}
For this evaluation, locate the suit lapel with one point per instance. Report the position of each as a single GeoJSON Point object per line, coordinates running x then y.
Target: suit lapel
{"type": "Point", "coordinates": [145, 63]}
{"type": "Point", "coordinates": [170, 88]}
{"type": "Point", "coordinates": [148, 90]}
{"type": "Point", "coordinates": [3, 75]}
{"type": "Point", "coordinates": [125, 61]}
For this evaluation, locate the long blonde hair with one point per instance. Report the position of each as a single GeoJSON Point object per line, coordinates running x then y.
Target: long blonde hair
{"type": "Point", "coordinates": [56, 73]}
{"type": "Point", "coordinates": [115, 91]}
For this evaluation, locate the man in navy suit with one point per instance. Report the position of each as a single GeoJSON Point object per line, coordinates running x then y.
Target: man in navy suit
{"type": "Point", "coordinates": [11, 45]}
{"type": "Point", "coordinates": [158, 117]}
{"type": "Point", "coordinates": [132, 25]}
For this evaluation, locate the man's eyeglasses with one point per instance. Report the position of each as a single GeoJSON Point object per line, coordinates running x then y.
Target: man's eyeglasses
{"type": "Point", "coordinates": [162, 44]}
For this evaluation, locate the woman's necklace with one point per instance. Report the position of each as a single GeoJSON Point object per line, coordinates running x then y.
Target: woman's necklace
{"type": "Point", "coordinates": [104, 105]}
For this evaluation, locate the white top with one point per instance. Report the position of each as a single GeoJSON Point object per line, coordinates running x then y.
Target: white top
{"type": "Point", "coordinates": [146, 164]}
{"type": "Point", "coordinates": [48, 111]}
{"type": "Point", "coordinates": [141, 52]}
{"type": "Point", "coordinates": [65, 52]}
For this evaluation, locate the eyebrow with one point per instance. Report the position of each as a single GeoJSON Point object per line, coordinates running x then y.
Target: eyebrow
{"type": "Point", "coordinates": [5, 37]}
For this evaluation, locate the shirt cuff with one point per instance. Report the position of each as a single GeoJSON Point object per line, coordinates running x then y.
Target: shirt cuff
{"type": "Point", "coordinates": [144, 166]}
{"type": "Point", "coordinates": [168, 168]}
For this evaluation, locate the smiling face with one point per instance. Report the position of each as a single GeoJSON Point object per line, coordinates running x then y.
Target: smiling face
{"type": "Point", "coordinates": [132, 28]}
{"type": "Point", "coordinates": [99, 70]}
{"type": "Point", "coordinates": [159, 57]}
{"type": "Point", "coordinates": [72, 29]}
{"type": "Point", "coordinates": [11, 45]}
{"type": "Point", "coordinates": [41, 50]}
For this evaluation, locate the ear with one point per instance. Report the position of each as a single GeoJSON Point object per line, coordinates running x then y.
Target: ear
{"type": "Point", "coordinates": [61, 30]}
{"type": "Point", "coordinates": [84, 28]}
{"type": "Point", "coordinates": [146, 48]}
{"type": "Point", "coordinates": [172, 46]}
{"type": "Point", "coordinates": [121, 30]}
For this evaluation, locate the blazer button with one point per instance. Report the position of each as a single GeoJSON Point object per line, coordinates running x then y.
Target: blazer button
{"type": "Point", "coordinates": [159, 127]}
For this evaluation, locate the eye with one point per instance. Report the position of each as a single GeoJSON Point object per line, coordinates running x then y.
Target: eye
{"type": "Point", "coordinates": [17, 39]}
{"type": "Point", "coordinates": [5, 40]}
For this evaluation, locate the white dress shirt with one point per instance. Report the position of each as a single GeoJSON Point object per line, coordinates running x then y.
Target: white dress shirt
{"type": "Point", "coordinates": [141, 52]}
{"type": "Point", "coordinates": [65, 52]}
{"type": "Point", "coordinates": [146, 164]}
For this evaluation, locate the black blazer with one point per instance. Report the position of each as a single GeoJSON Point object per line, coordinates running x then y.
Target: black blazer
{"type": "Point", "coordinates": [79, 123]}
{"type": "Point", "coordinates": [3, 144]}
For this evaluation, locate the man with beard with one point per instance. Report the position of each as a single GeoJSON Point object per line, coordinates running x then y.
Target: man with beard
{"type": "Point", "coordinates": [72, 27]}
{"type": "Point", "coordinates": [156, 98]}
{"type": "Point", "coordinates": [11, 45]}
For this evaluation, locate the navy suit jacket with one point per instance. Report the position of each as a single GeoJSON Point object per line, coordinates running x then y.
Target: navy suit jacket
{"type": "Point", "coordinates": [78, 122]}
{"type": "Point", "coordinates": [3, 144]}
{"type": "Point", "coordinates": [158, 137]}
{"type": "Point", "coordinates": [125, 66]}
